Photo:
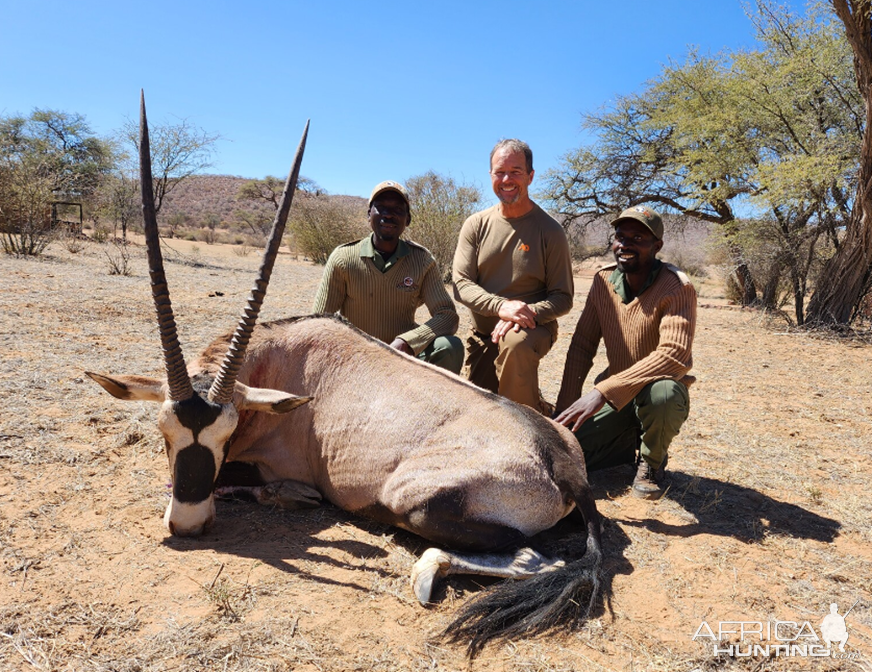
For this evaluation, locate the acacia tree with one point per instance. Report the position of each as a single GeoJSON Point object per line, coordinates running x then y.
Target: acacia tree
{"type": "Point", "coordinates": [119, 200]}
{"type": "Point", "coordinates": [45, 157]}
{"type": "Point", "coordinates": [269, 191]}
{"type": "Point", "coordinates": [770, 132]}
{"type": "Point", "coordinates": [177, 152]}
{"type": "Point", "coordinates": [848, 274]}
{"type": "Point", "coordinates": [644, 154]}
{"type": "Point", "coordinates": [439, 207]}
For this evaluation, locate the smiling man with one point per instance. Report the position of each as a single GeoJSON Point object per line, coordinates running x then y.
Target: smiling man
{"type": "Point", "coordinates": [377, 284]}
{"type": "Point", "coordinates": [512, 270]}
{"type": "Point", "coordinates": [645, 312]}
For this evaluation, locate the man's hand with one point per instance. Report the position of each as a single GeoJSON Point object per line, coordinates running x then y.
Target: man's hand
{"type": "Point", "coordinates": [581, 410]}
{"type": "Point", "coordinates": [519, 313]}
{"type": "Point", "coordinates": [503, 327]}
{"type": "Point", "coordinates": [402, 346]}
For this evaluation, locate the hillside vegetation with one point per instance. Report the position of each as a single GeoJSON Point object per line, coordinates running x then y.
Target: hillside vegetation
{"type": "Point", "coordinates": [208, 208]}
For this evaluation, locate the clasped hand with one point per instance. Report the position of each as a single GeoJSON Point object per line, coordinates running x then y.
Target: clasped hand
{"type": "Point", "coordinates": [514, 315]}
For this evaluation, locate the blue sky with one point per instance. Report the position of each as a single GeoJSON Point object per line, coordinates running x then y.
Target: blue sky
{"type": "Point", "coordinates": [393, 89]}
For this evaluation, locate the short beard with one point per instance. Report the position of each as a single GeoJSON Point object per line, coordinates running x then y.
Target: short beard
{"type": "Point", "coordinates": [386, 237]}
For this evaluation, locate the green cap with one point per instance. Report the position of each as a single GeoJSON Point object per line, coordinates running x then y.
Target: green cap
{"type": "Point", "coordinates": [646, 216]}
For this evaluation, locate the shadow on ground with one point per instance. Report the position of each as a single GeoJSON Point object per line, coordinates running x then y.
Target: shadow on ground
{"type": "Point", "coordinates": [293, 541]}
{"type": "Point", "coordinates": [721, 508]}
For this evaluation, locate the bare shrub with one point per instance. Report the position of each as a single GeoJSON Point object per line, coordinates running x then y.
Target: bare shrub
{"type": "Point", "coordinates": [100, 234]}
{"type": "Point", "coordinates": [118, 255]}
{"type": "Point", "coordinates": [73, 242]}
{"type": "Point", "coordinates": [28, 240]}
{"type": "Point", "coordinates": [439, 207]}
{"type": "Point", "coordinates": [319, 223]}
{"type": "Point", "coordinates": [689, 258]}
{"type": "Point", "coordinates": [208, 236]}
{"type": "Point", "coordinates": [211, 222]}
{"type": "Point", "coordinates": [587, 241]}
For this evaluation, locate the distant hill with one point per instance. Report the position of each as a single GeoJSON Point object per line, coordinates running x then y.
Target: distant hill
{"type": "Point", "coordinates": [201, 195]}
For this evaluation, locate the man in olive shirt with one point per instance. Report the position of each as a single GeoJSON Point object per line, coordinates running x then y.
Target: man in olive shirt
{"type": "Point", "coordinates": [378, 283]}
{"type": "Point", "coordinates": [513, 271]}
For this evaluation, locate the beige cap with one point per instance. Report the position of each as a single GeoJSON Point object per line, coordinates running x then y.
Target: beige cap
{"type": "Point", "coordinates": [390, 185]}
{"type": "Point", "coordinates": [649, 217]}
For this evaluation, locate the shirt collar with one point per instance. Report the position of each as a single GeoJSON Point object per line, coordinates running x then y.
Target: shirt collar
{"type": "Point", "coordinates": [618, 279]}
{"type": "Point", "coordinates": [367, 250]}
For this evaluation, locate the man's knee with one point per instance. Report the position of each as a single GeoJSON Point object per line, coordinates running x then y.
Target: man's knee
{"type": "Point", "coordinates": [445, 352]}
{"type": "Point", "coordinates": [663, 400]}
{"type": "Point", "coordinates": [527, 344]}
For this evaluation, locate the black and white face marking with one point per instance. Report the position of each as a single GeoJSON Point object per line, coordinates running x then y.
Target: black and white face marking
{"type": "Point", "coordinates": [197, 433]}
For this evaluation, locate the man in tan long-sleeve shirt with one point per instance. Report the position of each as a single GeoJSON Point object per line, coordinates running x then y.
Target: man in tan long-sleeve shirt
{"type": "Point", "coordinates": [512, 270]}
{"type": "Point", "coordinates": [645, 312]}
{"type": "Point", "coordinates": [377, 284]}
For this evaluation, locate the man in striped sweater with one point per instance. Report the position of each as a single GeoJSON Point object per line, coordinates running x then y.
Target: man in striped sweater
{"type": "Point", "coordinates": [645, 312]}
{"type": "Point", "coordinates": [377, 284]}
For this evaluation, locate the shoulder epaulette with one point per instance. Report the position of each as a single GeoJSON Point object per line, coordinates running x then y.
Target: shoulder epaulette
{"type": "Point", "coordinates": [677, 271]}
{"type": "Point", "coordinates": [608, 267]}
{"type": "Point", "coordinates": [418, 246]}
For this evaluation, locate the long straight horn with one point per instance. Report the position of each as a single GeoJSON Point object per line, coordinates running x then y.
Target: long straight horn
{"type": "Point", "coordinates": [177, 373]}
{"type": "Point", "coordinates": [221, 391]}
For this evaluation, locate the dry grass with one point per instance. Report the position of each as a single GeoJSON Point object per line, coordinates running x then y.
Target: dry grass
{"type": "Point", "coordinates": [767, 516]}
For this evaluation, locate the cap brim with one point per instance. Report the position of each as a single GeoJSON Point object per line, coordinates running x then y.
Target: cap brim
{"type": "Point", "coordinates": [639, 220]}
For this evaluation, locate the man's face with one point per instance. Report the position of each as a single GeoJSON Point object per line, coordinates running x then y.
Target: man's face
{"type": "Point", "coordinates": [388, 217]}
{"type": "Point", "coordinates": [509, 176]}
{"type": "Point", "coordinates": [634, 247]}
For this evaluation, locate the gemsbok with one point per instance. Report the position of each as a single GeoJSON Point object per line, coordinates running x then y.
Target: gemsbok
{"type": "Point", "coordinates": [376, 433]}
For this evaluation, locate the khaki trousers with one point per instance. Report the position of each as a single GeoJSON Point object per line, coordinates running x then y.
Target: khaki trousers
{"type": "Point", "coordinates": [511, 367]}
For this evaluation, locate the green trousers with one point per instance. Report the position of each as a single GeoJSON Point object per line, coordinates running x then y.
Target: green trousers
{"type": "Point", "coordinates": [445, 352]}
{"type": "Point", "coordinates": [610, 437]}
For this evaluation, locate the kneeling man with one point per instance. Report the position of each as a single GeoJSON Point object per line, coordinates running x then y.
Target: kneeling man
{"type": "Point", "coordinates": [645, 312]}
{"type": "Point", "coordinates": [378, 283]}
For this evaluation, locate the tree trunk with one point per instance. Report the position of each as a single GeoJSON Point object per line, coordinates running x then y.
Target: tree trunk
{"type": "Point", "coordinates": [798, 296]}
{"type": "Point", "coordinates": [769, 297]}
{"type": "Point", "coordinates": [746, 282]}
{"type": "Point", "coordinates": [845, 276]}
{"type": "Point", "coordinates": [741, 272]}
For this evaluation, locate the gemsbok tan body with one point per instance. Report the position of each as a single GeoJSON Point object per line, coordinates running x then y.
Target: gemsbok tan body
{"type": "Point", "coordinates": [376, 433]}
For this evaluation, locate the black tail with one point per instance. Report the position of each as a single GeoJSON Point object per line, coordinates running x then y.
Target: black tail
{"type": "Point", "coordinates": [563, 597]}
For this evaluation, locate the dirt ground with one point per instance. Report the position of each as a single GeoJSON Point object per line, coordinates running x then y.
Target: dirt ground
{"type": "Point", "coordinates": [767, 517]}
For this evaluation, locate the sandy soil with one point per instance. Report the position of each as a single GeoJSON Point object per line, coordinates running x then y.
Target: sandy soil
{"type": "Point", "coordinates": [767, 518]}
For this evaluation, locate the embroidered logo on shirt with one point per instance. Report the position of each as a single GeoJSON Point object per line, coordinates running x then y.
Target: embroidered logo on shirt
{"type": "Point", "coordinates": [523, 247]}
{"type": "Point", "coordinates": [407, 284]}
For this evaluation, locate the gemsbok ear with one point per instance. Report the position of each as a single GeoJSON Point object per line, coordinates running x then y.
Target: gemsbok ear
{"type": "Point", "coordinates": [268, 401]}
{"type": "Point", "coordinates": [131, 388]}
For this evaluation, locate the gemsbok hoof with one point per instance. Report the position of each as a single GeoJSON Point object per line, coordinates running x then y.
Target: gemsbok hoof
{"type": "Point", "coordinates": [433, 563]}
